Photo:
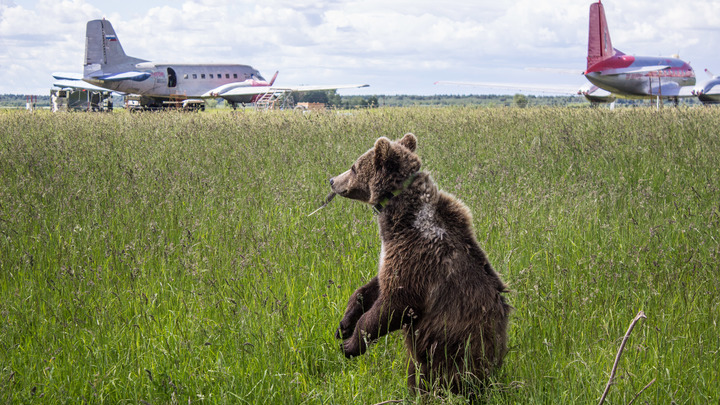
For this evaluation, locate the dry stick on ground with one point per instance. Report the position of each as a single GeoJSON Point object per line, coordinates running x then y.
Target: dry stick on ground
{"type": "Point", "coordinates": [640, 315]}
{"type": "Point", "coordinates": [641, 391]}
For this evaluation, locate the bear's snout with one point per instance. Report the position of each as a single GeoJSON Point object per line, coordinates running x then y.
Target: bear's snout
{"type": "Point", "coordinates": [345, 185]}
{"type": "Point", "coordinates": [339, 183]}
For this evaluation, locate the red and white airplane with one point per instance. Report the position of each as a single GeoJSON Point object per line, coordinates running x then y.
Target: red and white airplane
{"type": "Point", "coordinates": [614, 74]}
{"type": "Point", "coordinates": [632, 76]}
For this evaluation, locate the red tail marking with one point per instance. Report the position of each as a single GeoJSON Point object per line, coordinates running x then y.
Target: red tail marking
{"type": "Point", "coordinates": [599, 44]}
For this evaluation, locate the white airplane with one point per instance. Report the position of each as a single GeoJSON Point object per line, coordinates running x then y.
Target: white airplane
{"type": "Point", "coordinates": [108, 67]}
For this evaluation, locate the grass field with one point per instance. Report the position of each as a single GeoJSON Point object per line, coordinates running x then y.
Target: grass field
{"type": "Point", "coordinates": [169, 258]}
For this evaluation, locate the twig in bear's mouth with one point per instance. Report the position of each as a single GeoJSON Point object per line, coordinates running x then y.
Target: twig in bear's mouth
{"type": "Point", "coordinates": [327, 201]}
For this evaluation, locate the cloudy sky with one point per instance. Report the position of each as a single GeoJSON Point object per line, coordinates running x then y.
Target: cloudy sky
{"type": "Point", "coordinates": [396, 46]}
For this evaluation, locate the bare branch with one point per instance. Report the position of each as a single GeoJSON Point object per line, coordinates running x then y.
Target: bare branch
{"type": "Point", "coordinates": [640, 315]}
{"type": "Point", "coordinates": [641, 391]}
{"type": "Point", "coordinates": [392, 401]}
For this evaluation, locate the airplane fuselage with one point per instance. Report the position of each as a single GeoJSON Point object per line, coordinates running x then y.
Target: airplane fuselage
{"type": "Point", "coordinates": [182, 81]}
{"type": "Point", "coordinates": [640, 76]}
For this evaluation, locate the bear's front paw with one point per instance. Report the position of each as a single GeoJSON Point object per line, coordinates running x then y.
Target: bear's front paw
{"type": "Point", "coordinates": [354, 347]}
{"type": "Point", "coordinates": [350, 348]}
{"type": "Point", "coordinates": [344, 331]}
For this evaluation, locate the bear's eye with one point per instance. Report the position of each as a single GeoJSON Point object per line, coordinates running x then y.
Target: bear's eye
{"type": "Point", "coordinates": [352, 169]}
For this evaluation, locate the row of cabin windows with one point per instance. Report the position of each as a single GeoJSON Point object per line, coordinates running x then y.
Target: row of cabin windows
{"type": "Point", "coordinates": [219, 75]}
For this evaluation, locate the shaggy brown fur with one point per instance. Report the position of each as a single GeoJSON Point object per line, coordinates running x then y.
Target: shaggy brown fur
{"type": "Point", "coordinates": [434, 280]}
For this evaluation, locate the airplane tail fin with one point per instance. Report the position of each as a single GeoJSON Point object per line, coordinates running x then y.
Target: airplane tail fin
{"type": "Point", "coordinates": [103, 51]}
{"type": "Point", "coordinates": [599, 44]}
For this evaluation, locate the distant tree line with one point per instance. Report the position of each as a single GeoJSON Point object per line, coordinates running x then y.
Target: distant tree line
{"type": "Point", "coordinates": [334, 100]}
{"type": "Point", "coordinates": [518, 100]}
{"type": "Point", "coordinates": [493, 100]}
{"type": "Point", "coordinates": [19, 100]}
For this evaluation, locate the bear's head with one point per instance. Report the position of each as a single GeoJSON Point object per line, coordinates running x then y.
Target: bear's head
{"type": "Point", "coordinates": [380, 171]}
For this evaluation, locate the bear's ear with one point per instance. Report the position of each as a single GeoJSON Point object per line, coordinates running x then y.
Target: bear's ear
{"type": "Point", "coordinates": [409, 141]}
{"type": "Point", "coordinates": [382, 150]}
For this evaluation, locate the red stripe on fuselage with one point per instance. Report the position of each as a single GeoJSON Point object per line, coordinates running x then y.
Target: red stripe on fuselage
{"type": "Point", "coordinates": [677, 67]}
{"type": "Point", "coordinates": [616, 62]}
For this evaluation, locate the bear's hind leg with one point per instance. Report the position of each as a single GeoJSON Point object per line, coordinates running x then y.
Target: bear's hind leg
{"type": "Point", "coordinates": [416, 378]}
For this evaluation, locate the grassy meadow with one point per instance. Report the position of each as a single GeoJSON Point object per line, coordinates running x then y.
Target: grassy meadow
{"type": "Point", "coordinates": [169, 258]}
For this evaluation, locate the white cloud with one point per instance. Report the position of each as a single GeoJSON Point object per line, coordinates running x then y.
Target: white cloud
{"type": "Point", "coordinates": [35, 41]}
{"type": "Point", "coordinates": [399, 46]}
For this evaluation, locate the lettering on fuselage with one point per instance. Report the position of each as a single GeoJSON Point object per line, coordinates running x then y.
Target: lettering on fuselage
{"type": "Point", "coordinates": [672, 72]}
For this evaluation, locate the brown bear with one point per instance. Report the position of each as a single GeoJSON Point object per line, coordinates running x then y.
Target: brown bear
{"type": "Point", "coordinates": [434, 281]}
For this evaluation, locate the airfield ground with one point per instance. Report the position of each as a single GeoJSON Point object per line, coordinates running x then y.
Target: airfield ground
{"type": "Point", "coordinates": [169, 258]}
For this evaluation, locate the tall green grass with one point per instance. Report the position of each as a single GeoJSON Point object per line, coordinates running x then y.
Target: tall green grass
{"type": "Point", "coordinates": [168, 258]}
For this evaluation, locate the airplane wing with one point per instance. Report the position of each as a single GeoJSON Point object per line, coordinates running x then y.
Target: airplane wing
{"type": "Point", "coordinates": [591, 92]}
{"type": "Point", "coordinates": [327, 87]}
{"type": "Point", "coordinates": [226, 91]}
{"type": "Point", "coordinates": [555, 89]}
{"type": "Point", "coordinates": [672, 89]}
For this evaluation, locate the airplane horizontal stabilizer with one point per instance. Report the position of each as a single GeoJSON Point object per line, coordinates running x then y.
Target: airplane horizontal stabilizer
{"type": "Point", "coordinates": [77, 85]}
{"type": "Point", "coordinates": [67, 76]}
{"type": "Point", "coordinates": [631, 70]}
{"type": "Point", "coordinates": [114, 77]}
